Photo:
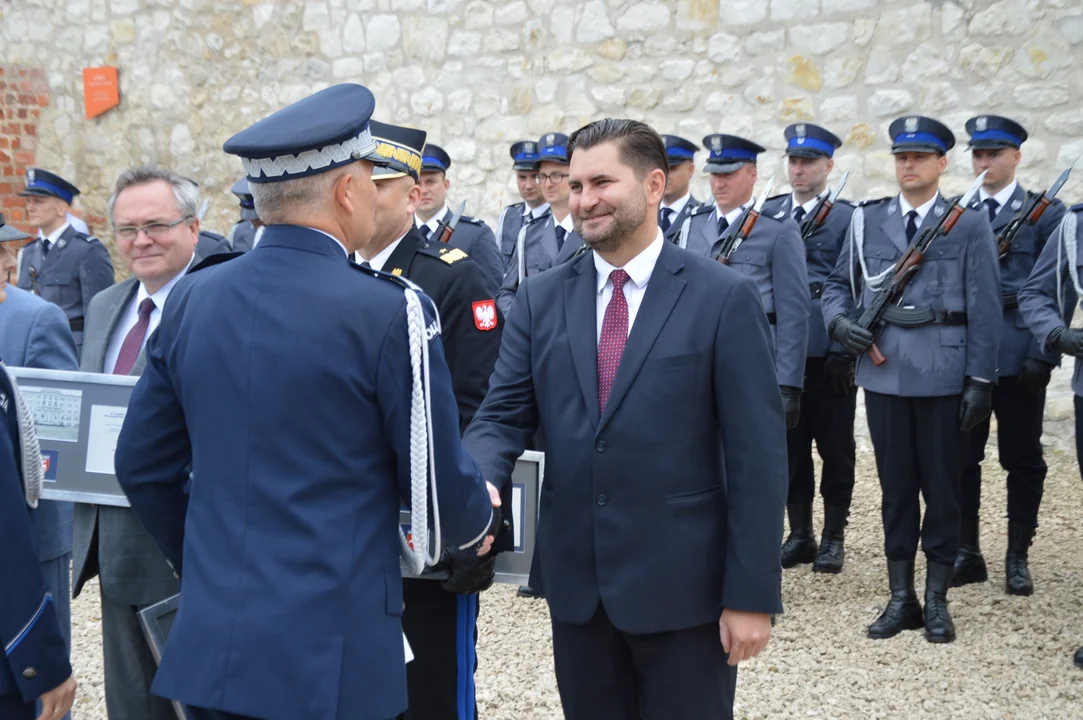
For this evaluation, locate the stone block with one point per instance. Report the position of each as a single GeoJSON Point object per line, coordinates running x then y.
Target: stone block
{"type": "Point", "coordinates": [546, 90]}
{"type": "Point", "coordinates": [382, 32]}
{"type": "Point", "coordinates": [458, 101]}
{"type": "Point", "coordinates": [1044, 52]}
{"type": "Point", "coordinates": [594, 25]}
{"type": "Point", "coordinates": [644, 18]}
{"type": "Point", "coordinates": [845, 6]}
{"type": "Point", "coordinates": [907, 25]}
{"type": "Point", "coordinates": [984, 60]}
{"type": "Point", "coordinates": [1042, 95]}
{"type": "Point", "coordinates": [316, 16]}
{"type": "Point", "coordinates": [697, 15]}
{"type": "Point", "coordinates": [425, 38]}
{"type": "Point", "coordinates": [888, 103]}
{"type": "Point", "coordinates": [464, 44]}
{"type": "Point", "coordinates": [427, 101]}
{"type": "Point", "coordinates": [513, 13]}
{"type": "Point", "coordinates": [803, 73]}
{"type": "Point", "coordinates": [723, 47]}
{"type": "Point", "coordinates": [841, 72]}
{"type": "Point", "coordinates": [353, 35]}
{"type": "Point", "coordinates": [764, 43]}
{"type": "Point", "coordinates": [839, 109]}
{"type": "Point", "coordinates": [819, 39]}
{"type": "Point", "coordinates": [794, 109]}
{"type": "Point", "coordinates": [1071, 28]}
{"type": "Point", "coordinates": [562, 24]}
{"type": "Point", "coordinates": [1001, 18]}
{"type": "Point", "coordinates": [1067, 122]}
{"type": "Point", "coordinates": [677, 70]}
{"type": "Point", "coordinates": [881, 67]}
{"type": "Point", "coordinates": [743, 12]}
{"type": "Point", "coordinates": [478, 15]}
{"type": "Point", "coordinates": [348, 68]}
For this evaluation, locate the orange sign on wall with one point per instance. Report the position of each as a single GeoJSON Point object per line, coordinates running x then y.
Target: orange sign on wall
{"type": "Point", "coordinates": [100, 90]}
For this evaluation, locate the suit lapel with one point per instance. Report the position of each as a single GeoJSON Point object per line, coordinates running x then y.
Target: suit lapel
{"type": "Point", "coordinates": [581, 319]}
{"type": "Point", "coordinates": [709, 230]}
{"type": "Point", "coordinates": [60, 246]}
{"type": "Point", "coordinates": [548, 234]}
{"type": "Point", "coordinates": [572, 242]}
{"type": "Point", "coordinates": [894, 226]}
{"type": "Point", "coordinates": [663, 289]}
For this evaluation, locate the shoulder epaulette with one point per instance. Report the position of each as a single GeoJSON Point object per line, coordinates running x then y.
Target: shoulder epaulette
{"type": "Point", "coordinates": [1077, 208]}
{"type": "Point", "coordinates": [780, 196]}
{"type": "Point", "coordinates": [397, 279]}
{"type": "Point", "coordinates": [701, 210]}
{"type": "Point", "coordinates": [517, 205]}
{"type": "Point", "coordinates": [85, 236]}
{"type": "Point", "coordinates": [877, 201]}
{"type": "Point", "coordinates": [471, 220]}
{"type": "Point", "coordinates": [440, 251]}
{"type": "Point", "coordinates": [216, 259]}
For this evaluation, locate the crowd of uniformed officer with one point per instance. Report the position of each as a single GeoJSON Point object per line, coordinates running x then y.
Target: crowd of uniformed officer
{"type": "Point", "coordinates": [977, 330]}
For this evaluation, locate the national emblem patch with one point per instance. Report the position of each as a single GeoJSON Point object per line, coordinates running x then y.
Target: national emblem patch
{"type": "Point", "coordinates": [485, 314]}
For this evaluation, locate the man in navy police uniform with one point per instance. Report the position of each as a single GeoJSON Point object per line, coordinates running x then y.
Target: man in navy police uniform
{"type": "Point", "coordinates": [1023, 367]}
{"type": "Point", "coordinates": [940, 343]}
{"type": "Point", "coordinates": [298, 447]}
{"type": "Point", "coordinates": [829, 401]}
{"type": "Point", "coordinates": [64, 266]}
{"type": "Point", "coordinates": [472, 235]}
{"type": "Point", "coordinates": [658, 539]}
{"type": "Point", "coordinates": [678, 201]}
{"type": "Point", "coordinates": [243, 235]}
{"type": "Point", "coordinates": [34, 666]}
{"type": "Point", "coordinates": [524, 156]}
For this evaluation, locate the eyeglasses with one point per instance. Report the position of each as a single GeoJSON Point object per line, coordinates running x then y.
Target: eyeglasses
{"type": "Point", "coordinates": [153, 230]}
{"type": "Point", "coordinates": [555, 178]}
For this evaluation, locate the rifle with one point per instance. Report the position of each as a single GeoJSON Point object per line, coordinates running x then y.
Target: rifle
{"type": "Point", "coordinates": [907, 266]}
{"type": "Point", "coordinates": [1030, 215]}
{"type": "Point", "coordinates": [748, 221]}
{"type": "Point", "coordinates": [816, 219]}
{"type": "Point", "coordinates": [444, 231]}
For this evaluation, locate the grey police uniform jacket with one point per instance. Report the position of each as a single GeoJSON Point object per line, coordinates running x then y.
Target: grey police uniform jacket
{"type": "Point", "coordinates": [822, 250]}
{"type": "Point", "coordinates": [474, 238]}
{"type": "Point", "coordinates": [508, 226]}
{"type": "Point", "coordinates": [76, 269]}
{"type": "Point", "coordinates": [774, 259]}
{"type": "Point", "coordinates": [1057, 273]}
{"type": "Point", "coordinates": [538, 238]}
{"type": "Point", "coordinates": [1016, 341]}
{"type": "Point", "coordinates": [674, 231]}
{"type": "Point", "coordinates": [959, 274]}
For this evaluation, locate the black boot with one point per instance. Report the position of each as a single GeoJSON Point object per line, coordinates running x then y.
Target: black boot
{"type": "Point", "coordinates": [800, 546]}
{"type": "Point", "coordinates": [1017, 579]}
{"type": "Point", "coordinates": [528, 592]}
{"type": "Point", "coordinates": [938, 625]}
{"type": "Point", "coordinates": [832, 551]}
{"type": "Point", "coordinates": [969, 563]}
{"type": "Point", "coordinates": [1078, 659]}
{"type": "Point", "coordinates": [903, 611]}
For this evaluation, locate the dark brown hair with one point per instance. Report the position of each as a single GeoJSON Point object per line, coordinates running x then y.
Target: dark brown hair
{"type": "Point", "coordinates": [640, 146]}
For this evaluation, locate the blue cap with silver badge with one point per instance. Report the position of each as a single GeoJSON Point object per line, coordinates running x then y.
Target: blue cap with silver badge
{"type": "Point", "coordinates": [434, 159]}
{"type": "Point", "coordinates": [679, 150]}
{"type": "Point", "coordinates": [322, 132]}
{"type": "Point", "coordinates": [524, 155]}
{"type": "Point", "coordinates": [244, 195]}
{"type": "Point", "coordinates": [811, 141]}
{"type": "Point", "coordinates": [729, 153]}
{"type": "Point", "coordinates": [992, 132]}
{"type": "Point", "coordinates": [916, 133]}
{"type": "Point", "coordinates": [553, 147]}
{"type": "Point", "coordinates": [43, 183]}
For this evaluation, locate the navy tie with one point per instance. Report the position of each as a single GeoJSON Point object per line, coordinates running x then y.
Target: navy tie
{"type": "Point", "coordinates": [561, 234]}
{"type": "Point", "coordinates": [911, 225]}
{"type": "Point", "coordinates": [723, 223]}
{"type": "Point", "coordinates": [991, 205]}
{"type": "Point", "coordinates": [666, 218]}
{"type": "Point", "coordinates": [799, 214]}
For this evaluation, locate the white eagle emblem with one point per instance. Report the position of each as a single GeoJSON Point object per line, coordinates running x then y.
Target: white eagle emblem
{"type": "Point", "coordinates": [800, 130]}
{"type": "Point", "coordinates": [716, 142]}
{"type": "Point", "coordinates": [911, 124]}
{"type": "Point", "coordinates": [1017, 204]}
{"type": "Point", "coordinates": [528, 147]}
{"type": "Point", "coordinates": [485, 314]}
{"type": "Point", "coordinates": [550, 138]}
{"type": "Point", "coordinates": [30, 175]}
{"type": "Point", "coordinates": [981, 124]}
{"type": "Point", "coordinates": [938, 211]}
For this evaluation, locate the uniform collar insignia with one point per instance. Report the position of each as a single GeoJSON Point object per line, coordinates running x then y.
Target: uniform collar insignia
{"type": "Point", "coordinates": [1016, 204]}
{"type": "Point", "coordinates": [892, 209]}
{"type": "Point", "coordinates": [938, 210]}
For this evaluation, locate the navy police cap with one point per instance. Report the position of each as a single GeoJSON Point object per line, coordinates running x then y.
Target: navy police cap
{"type": "Point", "coordinates": [811, 141]}
{"type": "Point", "coordinates": [728, 153]}
{"type": "Point", "coordinates": [324, 131]}
{"type": "Point", "coordinates": [992, 132]}
{"type": "Point", "coordinates": [434, 159]}
{"type": "Point", "coordinates": [244, 195]}
{"type": "Point", "coordinates": [400, 148]}
{"type": "Point", "coordinates": [46, 184]}
{"type": "Point", "coordinates": [9, 233]}
{"type": "Point", "coordinates": [916, 133]}
{"type": "Point", "coordinates": [553, 147]}
{"type": "Point", "coordinates": [524, 155]}
{"type": "Point", "coordinates": [679, 150]}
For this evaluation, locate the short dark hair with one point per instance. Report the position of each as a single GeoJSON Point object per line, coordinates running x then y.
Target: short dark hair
{"type": "Point", "coordinates": [640, 146]}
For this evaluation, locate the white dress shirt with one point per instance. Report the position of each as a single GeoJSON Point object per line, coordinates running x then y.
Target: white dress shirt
{"type": "Point", "coordinates": [535, 213]}
{"type": "Point", "coordinates": [922, 211]}
{"type": "Point", "coordinates": [378, 262]}
{"type": "Point", "coordinates": [794, 204]}
{"type": "Point", "coordinates": [639, 271]}
{"type": "Point", "coordinates": [433, 221]}
{"type": "Point", "coordinates": [566, 223]}
{"type": "Point", "coordinates": [732, 216]}
{"type": "Point", "coordinates": [131, 316]}
{"type": "Point", "coordinates": [52, 237]}
{"type": "Point", "coordinates": [1003, 197]}
{"type": "Point", "coordinates": [677, 206]}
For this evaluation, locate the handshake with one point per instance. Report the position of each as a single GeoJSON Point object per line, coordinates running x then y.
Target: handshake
{"type": "Point", "coordinates": [472, 571]}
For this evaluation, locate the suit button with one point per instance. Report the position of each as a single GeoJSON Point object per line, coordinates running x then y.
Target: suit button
{"type": "Point", "coordinates": [600, 447]}
{"type": "Point", "coordinates": [30, 673]}
{"type": "Point", "coordinates": [602, 499]}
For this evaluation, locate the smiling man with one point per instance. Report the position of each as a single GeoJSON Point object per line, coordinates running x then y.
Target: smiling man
{"type": "Point", "coordinates": [642, 627]}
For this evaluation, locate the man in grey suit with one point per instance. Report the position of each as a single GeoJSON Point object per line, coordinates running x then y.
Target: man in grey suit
{"type": "Point", "coordinates": [35, 333]}
{"type": "Point", "coordinates": [153, 212]}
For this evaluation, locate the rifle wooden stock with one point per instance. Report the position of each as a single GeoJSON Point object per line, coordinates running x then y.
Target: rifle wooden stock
{"type": "Point", "coordinates": [445, 236]}
{"type": "Point", "coordinates": [750, 222]}
{"type": "Point", "coordinates": [876, 356]}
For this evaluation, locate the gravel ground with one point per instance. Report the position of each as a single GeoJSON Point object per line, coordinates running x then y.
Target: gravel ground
{"type": "Point", "coordinates": [1012, 660]}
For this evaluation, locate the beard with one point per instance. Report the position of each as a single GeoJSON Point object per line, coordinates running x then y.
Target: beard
{"type": "Point", "coordinates": [624, 220]}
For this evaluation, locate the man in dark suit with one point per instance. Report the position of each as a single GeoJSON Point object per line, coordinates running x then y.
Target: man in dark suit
{"type": "Point", "coordinates": [34, 666]}
{"type": "Point", "coordinates": [440, 625]}
{"type": "Point", "coordinates": [649, 371]}
{"type": "Point", "coordinates": [153, 211]}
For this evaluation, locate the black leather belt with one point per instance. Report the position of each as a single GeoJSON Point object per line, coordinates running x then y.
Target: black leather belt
{"type": "Point", "coordinates": [815, 290]}
{"type": "Point", "coordinates": [772, 318]}
{"type": "Point", "coordinates": [1009, 300]}
{"type": "Point", "coordinates": [918, 316]}
{"type": "Point", "coordinates": [76, 324]}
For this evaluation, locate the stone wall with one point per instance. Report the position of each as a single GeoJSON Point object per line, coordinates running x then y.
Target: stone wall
{"type": "Point", "coordinates": [479, 74]}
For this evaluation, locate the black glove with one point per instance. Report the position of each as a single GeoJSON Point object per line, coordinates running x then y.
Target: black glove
{"type": "Point", "coordinates": [468, 574]}
{"type": "Point", "coordinates": [791, 405]}
{"type": "Point", "coordinates": [1069, 342]}
{"type": "Point", "coordinates": [976, 405]}
{"type": "Point", "coordinates": [1034, 376]}
{"type": "Point", "coordinates": [839, 369]}
{"type": "Point", "coordinates": [852, 336]}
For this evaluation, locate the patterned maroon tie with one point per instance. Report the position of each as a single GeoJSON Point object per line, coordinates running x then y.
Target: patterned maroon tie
{"type": "Point", "coordinates": [133, 341]}
{"type": "Point", "coordinates": [614, 335]}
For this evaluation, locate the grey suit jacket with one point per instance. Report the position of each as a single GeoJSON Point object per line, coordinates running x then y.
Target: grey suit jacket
{"type": "Point", "coordinates": [35, 333]}
{"type": "Point", "coordinates": [109, 541]}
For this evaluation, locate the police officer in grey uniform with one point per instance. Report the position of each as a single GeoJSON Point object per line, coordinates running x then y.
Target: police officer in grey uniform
{"type": "Point", "coordinates": [1047, 301]}
{"type": "Point", "coordinates": [677, 201]}
{"type": "Point", "coordinates": [940, 346]}
{"type": "Point", "coordinates": [472, 235]}
{"type": "Point", "coordinates": [524, 155]}
{"type": "Point", "coordinates": [1023, 368]}
{"type": "Point", "coordinates": [64, 266]}
{"type": "Point", "coordinates": [830, 398]}
{"type": "Point", "coordinates": [772, 256]}
{"type": "Point", "coordinates": [242, 236]}
{"type": "Point", "coordinates": [549, 239]}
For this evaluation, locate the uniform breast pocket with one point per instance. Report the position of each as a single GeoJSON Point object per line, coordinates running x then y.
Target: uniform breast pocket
{"type": "Point", "coordinates": [877, 261]}
{"type": "Point", "coordinates": [749, 262]}
{"type": "Point", "coordinates": [58, 279]}
{"type": "Point", "coordinates": [953, 336]}
{"type": "Point", "coordinates": [945, 267]}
